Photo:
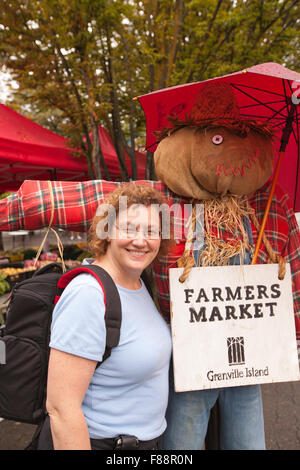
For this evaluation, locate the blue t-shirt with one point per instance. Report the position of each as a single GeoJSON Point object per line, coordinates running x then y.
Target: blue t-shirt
{"type": "Point", "coordinates": [128, 393]}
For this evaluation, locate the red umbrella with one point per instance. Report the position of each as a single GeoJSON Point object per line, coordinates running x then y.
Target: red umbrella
{"type": "Point", "coordinates": [266, 92]}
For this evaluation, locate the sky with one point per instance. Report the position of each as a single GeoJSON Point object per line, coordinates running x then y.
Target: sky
{"type": "Point", "coordinates": [5, 82]}
{"type": "Point", "coordinates": [3, 87]}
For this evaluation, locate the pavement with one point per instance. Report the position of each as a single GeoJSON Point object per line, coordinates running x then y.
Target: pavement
{"type": "Point", "coordinates": [281, 413]}
{"type": "Point", "coordinates": [281, 400]}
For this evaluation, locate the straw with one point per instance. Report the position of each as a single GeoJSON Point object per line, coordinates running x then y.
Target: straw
{"type": "Point", "coordinates": [59, 243]}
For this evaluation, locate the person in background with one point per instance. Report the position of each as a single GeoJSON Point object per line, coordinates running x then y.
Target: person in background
{"type": "Point", "coordinates": [78, 236]}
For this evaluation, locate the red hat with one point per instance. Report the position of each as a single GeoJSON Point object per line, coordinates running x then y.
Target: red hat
{"type": "Point", "coordinates": [216, 106]}
{"type": "Point", "coordinates": [215, 101]}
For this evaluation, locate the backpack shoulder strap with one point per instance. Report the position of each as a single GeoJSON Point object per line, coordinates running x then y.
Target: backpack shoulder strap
{"type": "Point", "coordinates": [147, 281]}
{"type": "Point", "coordinates": [113, 310]}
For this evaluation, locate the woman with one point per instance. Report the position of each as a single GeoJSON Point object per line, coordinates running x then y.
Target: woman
{"type": "Point", "coordinates": [127, 395]}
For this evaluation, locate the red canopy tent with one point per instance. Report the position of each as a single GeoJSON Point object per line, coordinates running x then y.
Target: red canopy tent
{"type": "Point", "coordinates": [29, 151]}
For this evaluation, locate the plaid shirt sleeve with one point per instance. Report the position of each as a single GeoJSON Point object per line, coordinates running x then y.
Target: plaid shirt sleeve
{"type": "Point", "coordinates": [74, 204]}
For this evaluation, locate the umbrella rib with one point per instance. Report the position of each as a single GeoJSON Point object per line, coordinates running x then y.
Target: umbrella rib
{"type": "Point", "coordinates": [287, 99]}
{"type": "Point", "coordinates": [296, 138]}
{"type": "Point", "coordinates": [291, 89]}
{"type": "Point", "coordinates": [279, 124]}
{"type": "Point", "coordinates": [257, 104]}
{"type": "Point", "coordinates": [278, 112]}
{"type": "Point", "coordinates": [285, 95]}
{"type": "Point", "coordinates": [236, 85]}
{"type": "Point", "coordinates": [255, 99]}
{"type": "Point", "coordinates": [298, 161]}
{"type": "Point", "coordinates": [295, 135]}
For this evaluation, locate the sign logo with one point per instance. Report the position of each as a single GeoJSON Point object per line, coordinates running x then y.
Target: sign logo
{"type": "Point", "coordinates": [236, 351]}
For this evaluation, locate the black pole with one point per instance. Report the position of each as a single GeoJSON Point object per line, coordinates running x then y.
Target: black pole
{"type": "Point", "coordinates": [287, 130]}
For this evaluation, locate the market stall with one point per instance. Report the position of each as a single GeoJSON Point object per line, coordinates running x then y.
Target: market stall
{"type": "Point", "coordinates": [28, 151]}
{"type": "Point", "coordinates": [19, 264]}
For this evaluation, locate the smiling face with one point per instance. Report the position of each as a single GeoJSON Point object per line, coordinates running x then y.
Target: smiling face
{"type": "Point", "coordinates": [213, 162]}
{"type": "Point", "coordinates": [135, 239]}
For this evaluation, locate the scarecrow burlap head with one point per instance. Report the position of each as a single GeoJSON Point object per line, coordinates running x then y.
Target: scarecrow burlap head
{"type": "Point", "coordinates": [214, 151]}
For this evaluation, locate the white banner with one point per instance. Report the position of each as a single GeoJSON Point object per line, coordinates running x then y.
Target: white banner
{"type": "Point", "coordinates": [232, 326]}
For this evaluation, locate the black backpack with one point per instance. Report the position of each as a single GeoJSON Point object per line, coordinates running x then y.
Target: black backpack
{"type": "Point", "coordinates": [24, 341]}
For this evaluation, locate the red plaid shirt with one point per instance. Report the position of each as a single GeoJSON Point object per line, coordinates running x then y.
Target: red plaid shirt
{"type": "Point", "coordinates": [76, 203]}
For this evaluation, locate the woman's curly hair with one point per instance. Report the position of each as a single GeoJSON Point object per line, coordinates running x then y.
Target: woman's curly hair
{"type": "Point", "coordinates": [135, 194]}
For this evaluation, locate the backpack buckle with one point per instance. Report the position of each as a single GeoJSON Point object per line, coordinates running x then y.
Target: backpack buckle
{"type": "Point", "coordinates": [2, 352]}
{"type": "Point", "coordinates": [124, 442]}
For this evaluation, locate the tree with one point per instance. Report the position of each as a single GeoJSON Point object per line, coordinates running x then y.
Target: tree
{"type": "Point", "coordinates": [51, 49]}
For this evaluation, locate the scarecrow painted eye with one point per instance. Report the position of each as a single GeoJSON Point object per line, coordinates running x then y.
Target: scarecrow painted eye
{"type": "Point", "coordinates": [217, 139]}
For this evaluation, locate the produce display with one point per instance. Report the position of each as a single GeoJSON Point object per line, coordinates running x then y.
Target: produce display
{"type": "Point", "coordinates": [13, 274]}
{"type": "Point", "coordinates": [17, 265]}
{"type": "Point", "coordinates": [21, 253]}
{"type": "Point", "coordinates": [4, 285]}
{"type": "Point", "coordinates": [9, 271]}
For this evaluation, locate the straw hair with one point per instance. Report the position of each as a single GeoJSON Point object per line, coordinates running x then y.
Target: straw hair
{"type": "Point", "coordinates": [225, 214]}
{"type": "Point", "coordinates": [242, 127]}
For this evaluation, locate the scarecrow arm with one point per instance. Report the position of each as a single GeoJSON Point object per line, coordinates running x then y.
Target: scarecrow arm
{"type": "Point", "coordinates": [74, 204]}
{"type": "Point", "coordinates": [31, 207]}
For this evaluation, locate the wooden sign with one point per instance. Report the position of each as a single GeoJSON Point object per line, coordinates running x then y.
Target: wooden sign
{"type": "Point", "coordinates": [232, 326]}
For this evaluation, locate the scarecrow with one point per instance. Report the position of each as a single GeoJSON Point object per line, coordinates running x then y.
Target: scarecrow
{"type": "Point", "coordinates": [223, 160]}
